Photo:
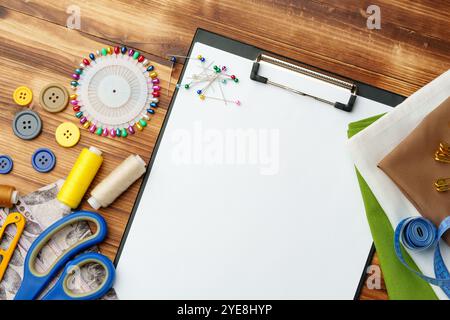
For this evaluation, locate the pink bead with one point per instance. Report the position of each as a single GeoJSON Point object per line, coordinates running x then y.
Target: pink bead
{"type": "Point", "coordinates": [75, 76]}
{"type": "Point", "coordinates": [92, 128]}
{"type": "Point", "coordinates": [130, 52]}
{"type": "Point", "coordinates": [156, 88]}
{"type": "Point", "coordinates": [83, 120]}
{"type": "Point", "coordinates": [155, 81]}
{"type": "Point", "coordinates": [74, 102]}
{"type": "Point", "coordinates": [131, 130]}
{"type": "Point", "coordinates": [224, 68]}
{"type": "Point", "coordinates": [105, 132]}
{"type": "Point", "coordinates": [238, 102]}
{"type": "Point", "coordinates": [112, 132]}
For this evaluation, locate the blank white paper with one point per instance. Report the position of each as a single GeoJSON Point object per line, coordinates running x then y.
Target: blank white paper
{"type": "Point", "coordinates": [282, 220]}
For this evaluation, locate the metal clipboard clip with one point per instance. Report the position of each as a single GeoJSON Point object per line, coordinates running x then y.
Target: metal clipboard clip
{"type": "Point", "coordinates": [309, 72]}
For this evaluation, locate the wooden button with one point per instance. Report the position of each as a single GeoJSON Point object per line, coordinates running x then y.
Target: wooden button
{"type": "Point", "coordinates": [67, 134]}
{"type": "Point", "coordinates": [54, 97]}
{"type": "Point", "coordinates": [23, 96]}
{"type": "Point", "coordinates": [27, 125]}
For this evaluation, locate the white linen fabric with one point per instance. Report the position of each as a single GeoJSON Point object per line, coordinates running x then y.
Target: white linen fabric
{"type": "Point", "coordinates": [371, 145]}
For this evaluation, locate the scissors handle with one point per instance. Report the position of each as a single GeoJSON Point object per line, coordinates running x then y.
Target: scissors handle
{"type": "Point", "coordinates": [60, 290]}
{"type": "Point", "coordinates": [33, 281]}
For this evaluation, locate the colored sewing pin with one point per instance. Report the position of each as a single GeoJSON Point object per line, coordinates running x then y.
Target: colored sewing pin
{"type": "Point", "coordinates": [209, 84]}
{"type": "Point", "coordinates": [223, 95]}
{"type": "Point", "coordinates": [173, 59]}
{"type": "Point", "coordinates": [236, 102]}
{"type": "Point", "coordinates": [188, 85]}
{"type": "Point", "coordinates": [198, 57]}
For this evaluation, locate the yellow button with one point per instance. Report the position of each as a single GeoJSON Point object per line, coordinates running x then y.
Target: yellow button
{"type": "Point", "coordinates": [67, 134]}
{"type": "Point", "coordinates": [23, 96]}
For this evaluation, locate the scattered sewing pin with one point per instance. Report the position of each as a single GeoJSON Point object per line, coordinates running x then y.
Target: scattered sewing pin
{"type": "Point", "coordinates": [198, 57]}
{"type": "Point", "coordinates": [223, 95]}
{"type": "Point", "coordinates": [209, 76]}
{"type": "Point", "coordinates": [198, 78]}
{"type": "Point", "coordinates": [173, 60]}
{"type": "Point", "coordinates": [236, 102]}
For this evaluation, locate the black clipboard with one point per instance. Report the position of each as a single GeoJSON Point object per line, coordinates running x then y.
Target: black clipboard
{"type": "Point", "coordinates": [251, 52]}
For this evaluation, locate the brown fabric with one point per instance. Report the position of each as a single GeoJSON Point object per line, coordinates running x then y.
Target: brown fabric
{"type": "Point", "coordinates": [412, 167]}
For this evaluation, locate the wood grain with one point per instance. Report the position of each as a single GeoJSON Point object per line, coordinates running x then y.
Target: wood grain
{"type": "Point", "coordinates": [36, 48]}
{"type": "Point", "coordinates": [50, 57]}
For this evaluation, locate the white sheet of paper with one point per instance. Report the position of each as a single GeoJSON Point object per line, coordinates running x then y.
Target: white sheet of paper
{"type": "Point", "coordinates": [258, 201]}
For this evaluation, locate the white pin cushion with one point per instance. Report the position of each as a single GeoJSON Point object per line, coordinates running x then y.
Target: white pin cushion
{"type": "Point", "coordinates": [116, 91]}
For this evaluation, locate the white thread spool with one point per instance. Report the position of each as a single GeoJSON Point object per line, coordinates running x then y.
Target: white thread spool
{"type": "Point", "coordinates": [119, 180]}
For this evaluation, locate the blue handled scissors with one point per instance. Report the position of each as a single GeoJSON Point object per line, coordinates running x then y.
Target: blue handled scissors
{"type": "Point", "coordinates": [35, 282]}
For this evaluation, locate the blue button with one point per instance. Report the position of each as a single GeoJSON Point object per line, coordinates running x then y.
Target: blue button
{"type": "Point", "coordinates": [43, 160]}
{"type": "Point", "coordinates": [6, 164]}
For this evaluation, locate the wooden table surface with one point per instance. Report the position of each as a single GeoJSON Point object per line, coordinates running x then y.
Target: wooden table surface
{"type": "Point", "coordinates": [36, 48]}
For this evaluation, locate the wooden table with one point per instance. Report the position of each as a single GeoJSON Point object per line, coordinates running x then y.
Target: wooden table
{"type": "Point", "coordinates": [36, 48]}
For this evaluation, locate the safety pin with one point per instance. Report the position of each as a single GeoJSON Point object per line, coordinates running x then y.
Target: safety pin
{"type": "Point", "coordinates": [444, 148]}
{"type": "Point", "coordinates": [442, 157]}
{"type": "Point", "coordinates": [442, 184]}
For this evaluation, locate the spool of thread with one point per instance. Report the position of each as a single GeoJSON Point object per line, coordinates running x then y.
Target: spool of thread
{"type": "Point", "coordinates": [119, 180]}
{"type": "Point", "coordinates": [80, 177]}
{"type": "Point", "coordinates": [8, 196]}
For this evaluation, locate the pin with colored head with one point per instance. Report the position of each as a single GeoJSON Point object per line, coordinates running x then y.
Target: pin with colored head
{"type": "Point", "coordinates": [236, 102]}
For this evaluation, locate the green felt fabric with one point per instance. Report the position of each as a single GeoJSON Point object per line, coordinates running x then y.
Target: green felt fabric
{"type": "Point", "coordinates": [401, 284]}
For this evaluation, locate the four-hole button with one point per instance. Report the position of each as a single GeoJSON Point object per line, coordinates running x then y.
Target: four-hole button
{"type": "Point", "coordinates": [6, 164]}
{"type": "Point", "coordinates": [43, 160]}
{"type": "Point", "coordinates": [67, 134]}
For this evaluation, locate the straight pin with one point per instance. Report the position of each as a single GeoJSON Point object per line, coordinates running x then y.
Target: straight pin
{"type": "Point", "coordinates": [203, 97]}
{"type": "Point", "coordinates": [223, 96]}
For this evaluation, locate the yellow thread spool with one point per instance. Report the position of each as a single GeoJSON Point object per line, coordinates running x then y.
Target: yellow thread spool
{"type": "Point", "coordinates": [80, 177]}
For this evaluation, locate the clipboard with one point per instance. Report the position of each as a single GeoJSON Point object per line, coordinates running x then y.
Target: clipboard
{"type": "Point", "coordinates": [163, 255]}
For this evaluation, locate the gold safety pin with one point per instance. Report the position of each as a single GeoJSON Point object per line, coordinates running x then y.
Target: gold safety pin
{"type": "Point", "coordinates": [442, 157]}
{"type": "Point", "coordinates": [443, 154]}
{"type": "Point", "coordinates": [444, 148]}
{"type": "Point", "coordinates": [442, 184]}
